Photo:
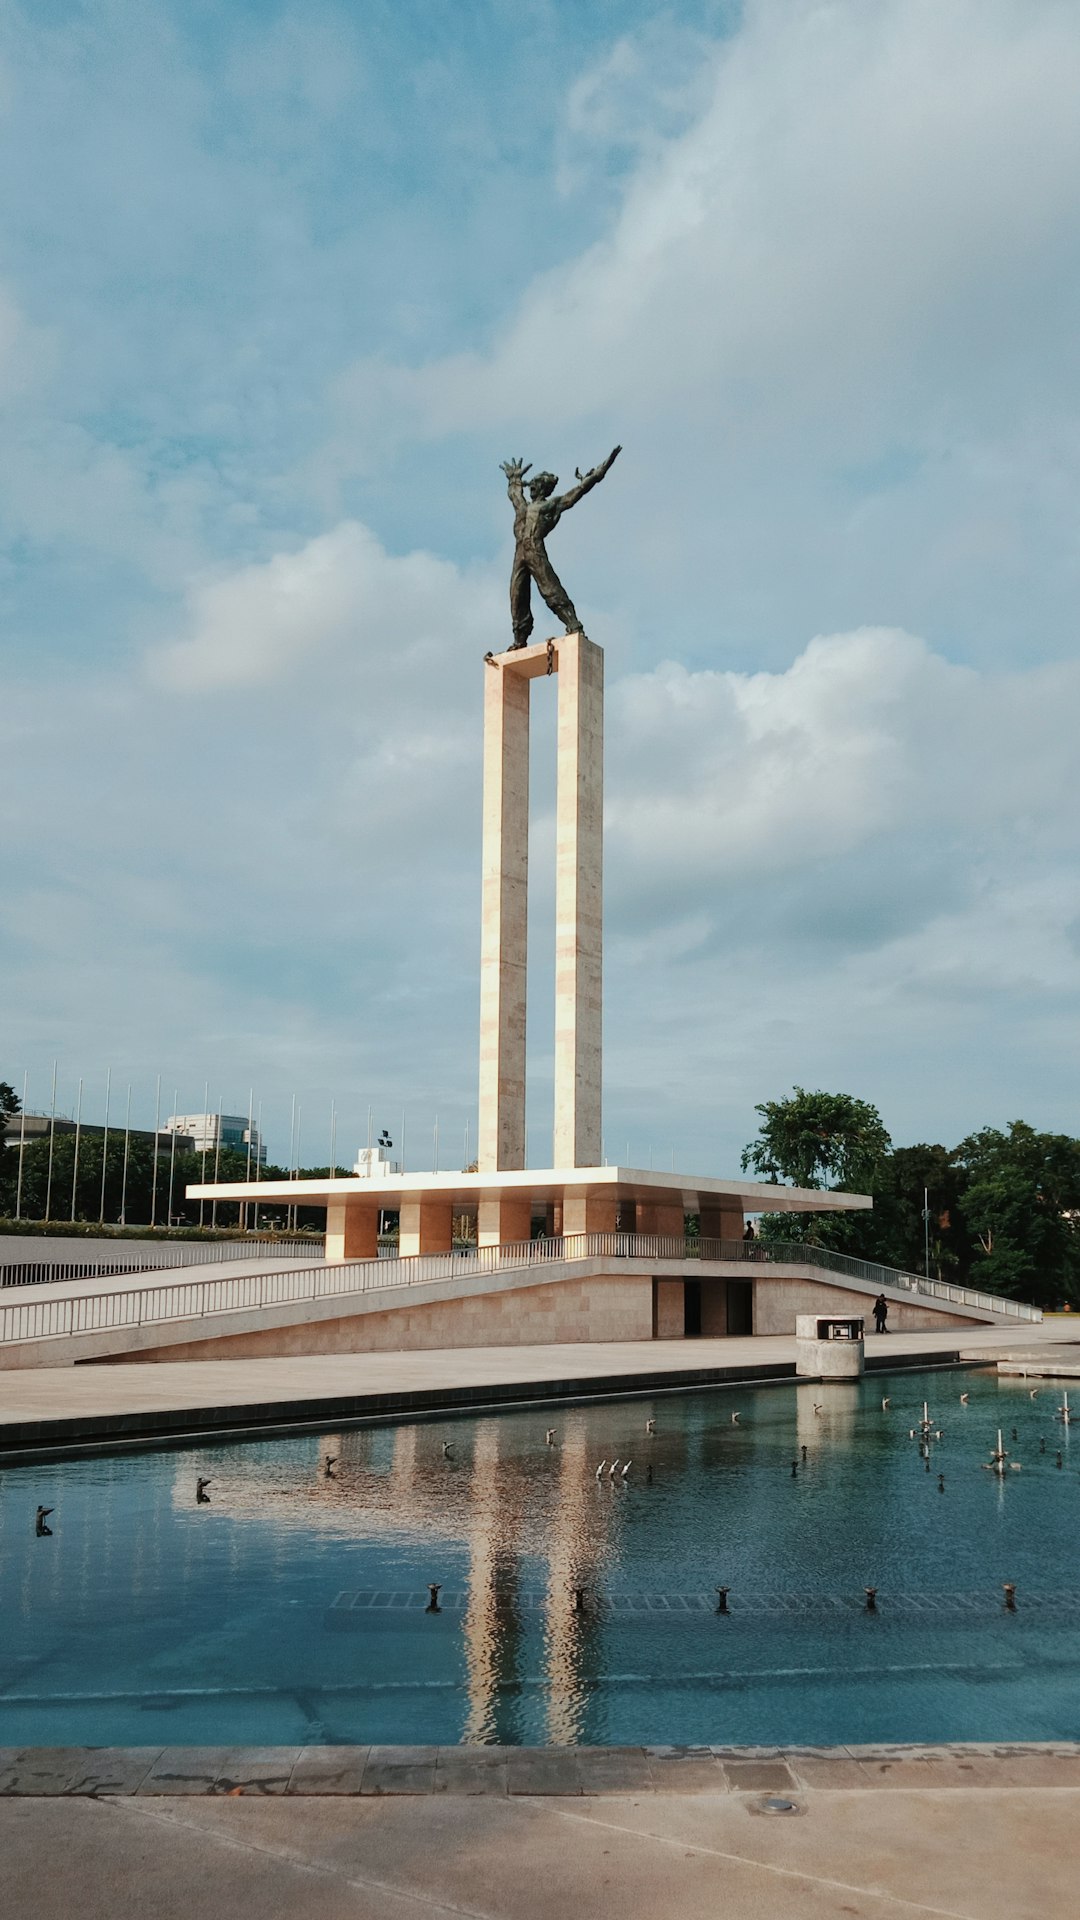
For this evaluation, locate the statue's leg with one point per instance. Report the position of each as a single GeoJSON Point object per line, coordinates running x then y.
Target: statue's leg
{"type": "Point", "coordinates": [520, 608]}
{"type": "Point", "coordinates": [555, 593]}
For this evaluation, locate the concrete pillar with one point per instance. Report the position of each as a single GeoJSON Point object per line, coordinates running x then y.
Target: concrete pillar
{"type": "Point", "coordinates": [352, 1231]}
{"type": "Point", "coordinates": [504, 922]}
{"type": "Point", "coordinates": [721, 1223]}
{"type": "Point", "coordinates": [579, 903]}
{"type": "Point", "coordinates": [669, 1310]}
{"type": "Point", "coordinates": [504, 1221]}
{"type": "Point", "coordinates": [714, 1322]}
{"type": "Point", "coordinates": [426, 1226]}
{"type": "Point", "coordinates": [589, 1213]}
{"type": "Point", "coordinates": [653, 1217]}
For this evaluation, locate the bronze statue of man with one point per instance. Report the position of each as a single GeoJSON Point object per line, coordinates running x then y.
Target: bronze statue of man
{"type": "Point", "coordinates": [534, 519]}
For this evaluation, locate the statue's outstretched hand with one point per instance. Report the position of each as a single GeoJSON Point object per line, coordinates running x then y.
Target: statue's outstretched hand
{"type": "Point", "coordinates": [516, 469]}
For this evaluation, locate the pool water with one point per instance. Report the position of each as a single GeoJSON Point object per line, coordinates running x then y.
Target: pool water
{"type": "Point", "coordinates": [292, 1607]}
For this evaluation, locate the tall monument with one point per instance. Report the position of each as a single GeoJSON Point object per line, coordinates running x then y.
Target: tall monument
{"type": "Point", "coordinates": [579, 857]}
{"type": "Point", "coordinates": [576, 1201]}
{"type": "Point", "coordinates": [579, 849]}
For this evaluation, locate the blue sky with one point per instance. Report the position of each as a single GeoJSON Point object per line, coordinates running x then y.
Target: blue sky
{"type": "Point", "coordinates": [280, 285]}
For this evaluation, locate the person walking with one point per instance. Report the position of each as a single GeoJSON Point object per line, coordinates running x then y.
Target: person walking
{"type": "Point", "coordinates": [881, 1314]}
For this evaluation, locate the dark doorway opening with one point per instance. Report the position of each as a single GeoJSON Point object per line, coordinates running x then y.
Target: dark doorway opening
{"type": "Point", "coordinates": [692, 1309]}
{"type": "Point", "coordinates": [740, 1306]}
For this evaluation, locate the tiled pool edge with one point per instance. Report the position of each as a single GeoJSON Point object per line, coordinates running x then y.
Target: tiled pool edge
{"type": "Point", "coordinates": [26, 1442]}
{"type": "Point", "coordinates": [110, 1772]}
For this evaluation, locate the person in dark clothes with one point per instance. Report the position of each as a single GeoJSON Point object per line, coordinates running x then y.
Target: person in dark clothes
{"type": "Point", "coordinates": [881, 1314]}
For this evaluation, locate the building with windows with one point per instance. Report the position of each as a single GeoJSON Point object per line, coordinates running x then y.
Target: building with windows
{"type": "Point", "coordinates": [206, 1132]}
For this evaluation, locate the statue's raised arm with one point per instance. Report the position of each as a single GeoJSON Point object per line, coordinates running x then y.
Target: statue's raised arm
{"type": "Point", "coordinates": [586, 482]}
{"type": "Point", "coordinates": [515, 471]}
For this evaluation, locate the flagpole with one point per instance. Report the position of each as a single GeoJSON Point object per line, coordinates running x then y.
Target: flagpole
{"type": "Point", "coordinates": [217, 1170]}
{"type": "Point", "coordinates": [75, 1168]}
{"type": "Point", "coordinates": [242, 1212]}
{"type": "Point", "coordinates": [105, 1144]}
{"type": "Point", "coordinates": [127, 1145]}
{"type": "Point", "coordinates": [206, 1116]}
{"type": "Point", "coordinates": [22, 1146]}
{"type": "Point", "coordinates": [296, 1175]}
{"type": "Point", "coordinates": [172, 1154]}
{"type": "Point", "coordinates": [157, 1130]}
{"type": "Point", "coordinates": [52, 1135]}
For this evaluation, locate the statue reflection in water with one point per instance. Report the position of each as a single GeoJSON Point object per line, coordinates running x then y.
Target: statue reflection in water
{"type": "Point", "coordinates": [528, 1522]}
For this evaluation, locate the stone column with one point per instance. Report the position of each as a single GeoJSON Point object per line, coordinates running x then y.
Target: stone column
{"type": "Point", "coordinates": [425, 1226]}
{"type": "Point", "coordinates": [668, 1220]}
{"type": "Point", "coordinates": [352, 1231]}
{"type": "Point", "coordinates": [669, 1309]}
{"type": "Point", "coordinates": [579, 903]}
{"type": "Point", "coordinates": [503, 945]}
{"type": "Point", "coordinates": [721, 1223]}
{"type": "Point", "coordinates": [589, 1213]}
{"type": "Point", "coordinates": [505, 1221]}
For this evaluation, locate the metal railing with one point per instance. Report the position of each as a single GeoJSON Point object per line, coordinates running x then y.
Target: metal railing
{"type": "Point", "coordinates": [246, 1292]}
{"type": "Point", "coordinates": [170, 1254]}
{"type": "Point", "coordinates": [887, 1279]}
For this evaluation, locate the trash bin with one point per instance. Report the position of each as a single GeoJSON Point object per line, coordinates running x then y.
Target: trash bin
{"type": "Point", "coordinates": [828, 1346]}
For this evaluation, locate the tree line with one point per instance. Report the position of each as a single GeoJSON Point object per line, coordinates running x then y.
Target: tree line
{"type": "Point", "coordinates": [1002, 1207]}
{"type": "Point", "coordinates": [1003, 1210]}
{"type": "Point", "coordinates": [57, 1188]}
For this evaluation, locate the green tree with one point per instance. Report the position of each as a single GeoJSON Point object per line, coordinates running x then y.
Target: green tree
{"type": "Point", "coordinates": [9, 1158]}
{"type": "Point", "coordinates": [895, 1231]}
{"type": "Point", "coordinates": [1020, 1206]}
{"type": "Point", "coordinates": [819, 1140]}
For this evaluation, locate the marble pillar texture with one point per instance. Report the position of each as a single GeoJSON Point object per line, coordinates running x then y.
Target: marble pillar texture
{"type": "Point", "coordinates": [579, 889]}
{"type": "Point", "coordinates": [579, 857]}
{"type": "Point", "coordinates": [352, 1232]}
{"type": "Point", "coordinates": [425, 1226]}
{"type": "Point", "coordinates": [505, 1221]}
{"type": "Point", "coordinates": [504, 922]}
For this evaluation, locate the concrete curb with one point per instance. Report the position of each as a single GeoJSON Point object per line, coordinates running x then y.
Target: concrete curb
{"type": "Point", "coordinates": [30, 1440]}
{"type": "Point", "coordinates": [110, 1772]}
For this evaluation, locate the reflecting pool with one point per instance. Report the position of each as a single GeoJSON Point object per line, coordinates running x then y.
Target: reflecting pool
{"type": "Point", "coordinates": [291, 1607]}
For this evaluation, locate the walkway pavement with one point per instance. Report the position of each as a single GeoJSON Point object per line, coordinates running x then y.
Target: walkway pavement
{"type": "Point", "coordinates": [498, 1834]}
{"type": "Point", "coordinates": [124, 1400]}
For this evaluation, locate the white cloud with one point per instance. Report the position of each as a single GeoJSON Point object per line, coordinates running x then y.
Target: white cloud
{"type": "Point", "coordinates": [339, 593]}
{"type": "Point", "coordinates": [867, 734]}
{"type": "Point", "coordinates": [888, 179]}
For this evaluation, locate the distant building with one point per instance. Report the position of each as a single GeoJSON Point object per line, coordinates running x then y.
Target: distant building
{"type": "Point", "coordinates": [24, 1129]}
{"type": "Point", "coordinates": [372, 1164]}
{"type": "Point", "coordinates": [205, 1132]}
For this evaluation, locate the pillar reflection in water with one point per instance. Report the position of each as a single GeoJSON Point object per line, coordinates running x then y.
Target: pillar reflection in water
{"type": "Point", "coordinates": [839, 1403]}
{"type": "Point", "coordinates": [578, 1549]}
{"type": "Point", "coordinates": [492, 1628]}
{"type": "Point", "coordinates": [548, 1509]}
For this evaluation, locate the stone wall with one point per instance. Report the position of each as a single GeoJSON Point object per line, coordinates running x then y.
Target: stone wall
{"type": "Point", "coordinates": [776, 1302]}
{"type": "Point", "coordinates": [598, 1308]}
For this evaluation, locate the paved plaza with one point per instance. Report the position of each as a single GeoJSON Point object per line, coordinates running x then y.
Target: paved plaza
{"type": "Point", "coordinates": [322, 1387]}
{"type": "Point", "coordinates": [884, 1834]}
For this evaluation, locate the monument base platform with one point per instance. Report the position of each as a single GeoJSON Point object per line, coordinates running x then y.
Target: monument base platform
{"type": "Point", "coordinates": [437, 1210]}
